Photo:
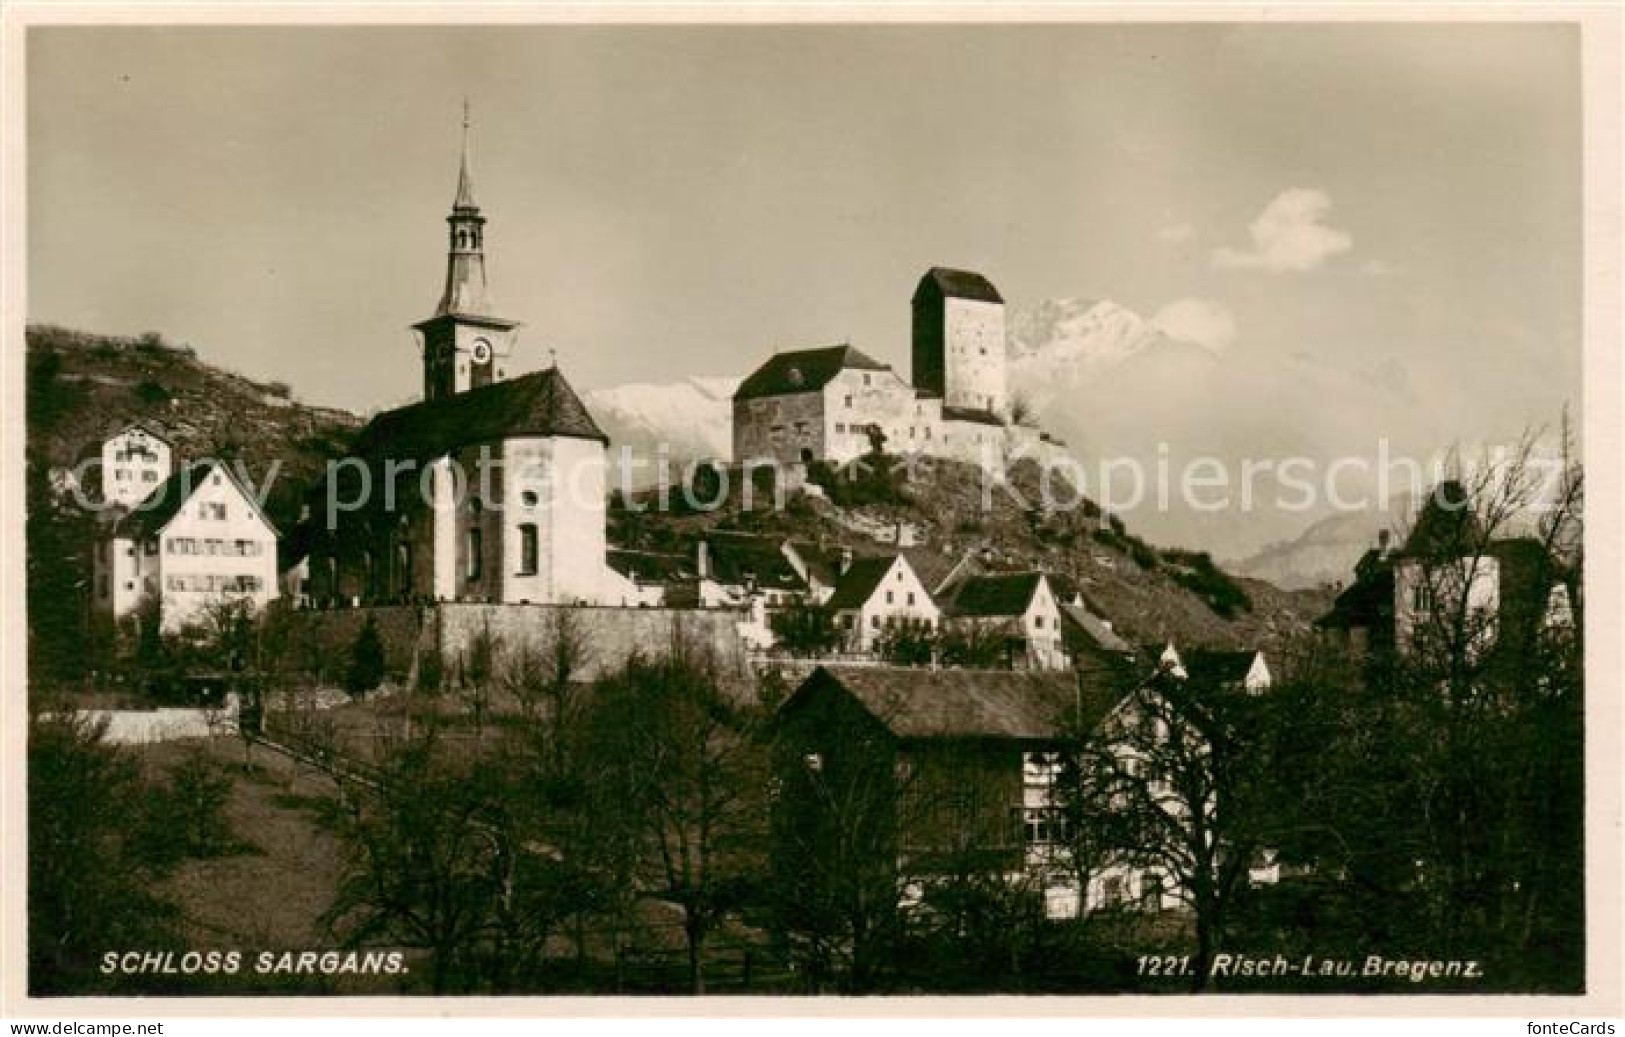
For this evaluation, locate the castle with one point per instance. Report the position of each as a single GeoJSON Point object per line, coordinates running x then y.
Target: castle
{"type": "Point", "coordinates": [837, 403]}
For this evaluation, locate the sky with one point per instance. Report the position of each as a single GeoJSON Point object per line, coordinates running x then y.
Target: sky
{"type": "Point", "coordinates": [674, 201]}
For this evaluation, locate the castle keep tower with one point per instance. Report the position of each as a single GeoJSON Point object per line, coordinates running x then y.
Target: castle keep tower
{"type": "Point", "coordinates": [465, 345]}
{"type": "Point", "coordinates": [959, 348]}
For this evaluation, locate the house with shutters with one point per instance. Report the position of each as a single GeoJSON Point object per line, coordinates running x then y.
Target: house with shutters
{"type": "Point", "coordinates": [877, 597]}
{"type": "Point", "coordinates": [200, 538]}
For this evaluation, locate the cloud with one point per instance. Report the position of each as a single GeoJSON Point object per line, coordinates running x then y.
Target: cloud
{"type": "Point", "coordinates": [1289, 235]}
{"type": "Point", "coordinates": [1176, 234]}
{"type": "Point", "coordinates": [1202, 321]}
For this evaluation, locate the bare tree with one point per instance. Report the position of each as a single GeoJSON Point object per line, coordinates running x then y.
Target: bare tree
{"type": "Point", "coordinates": [676, 779]}
{"type": "Point", "coordinates": [1168, 785]}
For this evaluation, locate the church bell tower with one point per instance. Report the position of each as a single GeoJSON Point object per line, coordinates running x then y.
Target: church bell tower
{"type": "Point", "coordinates": [465, 345]}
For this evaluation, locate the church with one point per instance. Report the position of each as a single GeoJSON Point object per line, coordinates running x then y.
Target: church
{"type": "Point", "coordinates": [492, 489]}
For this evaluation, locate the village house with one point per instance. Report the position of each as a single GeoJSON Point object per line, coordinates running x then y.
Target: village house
{"type": "Point", "coordinates": [1020, 608]}
{"type": "Point", "coordinates": [1228, 671]}
{"type": "Point", "coordinates": [937, 773]}
{"type": "Point", "coordinates": [1090, 641]}
{"type": "Point", "coordinates": [729, 569]}
{"type": "Point", "coordinates": [492, 489]}
{"type": "Point", "coordinates": [134, 460]}
{"type": "Point", "coordinates": [1449, 579]}
{"type": "Point", "coordinates": [877, 597]}
{"type": "Point", "coordinates": [200, 538]}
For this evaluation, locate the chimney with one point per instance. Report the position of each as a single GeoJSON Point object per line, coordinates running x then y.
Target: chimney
{"type": "Point", "coordinates": [846, 559]}
{"type": "Point", "coordinates": [702, 560]}
{"type": "Point", "coordinates": [1382, 541]}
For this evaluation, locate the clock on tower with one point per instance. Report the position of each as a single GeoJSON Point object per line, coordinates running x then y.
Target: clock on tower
{"type": "Point", "coordinates": [465, 346]}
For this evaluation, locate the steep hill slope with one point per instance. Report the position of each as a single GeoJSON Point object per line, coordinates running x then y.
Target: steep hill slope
{"type": "Point", "coordinates": [1150, 594]}
{"type": "Point", "coordinates": [82, 387]}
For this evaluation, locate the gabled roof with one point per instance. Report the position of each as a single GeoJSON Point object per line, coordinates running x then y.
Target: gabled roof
{"type": "Point", "coordinates": [823, 563]}
{"type": "Point", "coordinates": [1216, 668]}
{"type": "Point", "coordinates": [972, 414]}
{"type": "Point", "coordinates": [159, 508]}
{"type": "Point", "coordinates": [537, 404]}
{"type": "Point", "coordinates": [935, 568]}
{"type": "Point", "coordinates": [1446, 526]}
{"type": "Point", "coordinates": [1063, 587]}
{"type": "Point", "coordinates": [914, 703]}
{"type": "Point", "coordinates": [737, 559]}
{"type": "Point", "coordinates": [942, 282]}
{"type": "Point", "coordinates": [650, 566]}
{"type": "Point", "coordinates": [858, 584]}
{"type": "Point", "coordinates": [1095, 629]}
{"type": "Point", "coordinates": [144, 426]}
{"type": "Point", "coordinates": [804, 370]}
{"type": "Point", "coordinates": [996, 594]}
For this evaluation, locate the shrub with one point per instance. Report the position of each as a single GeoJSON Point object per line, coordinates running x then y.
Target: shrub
{"type": "Point", "coordinates": [187, 818]}
{"type": "Point", "coordinates": [366, 669]}
{"type": "Point", "coordinates": [152, 393]}
{"type": "Point", "coordinates": [1143, 554]}
{"type": "Point", "coordinates": [872, 479]}
{"type": "Point", "coordinates": [1197, 574]}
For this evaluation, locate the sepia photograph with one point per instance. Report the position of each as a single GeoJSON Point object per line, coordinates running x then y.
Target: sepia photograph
{"type": "Point", "coordinates": [666, 508]}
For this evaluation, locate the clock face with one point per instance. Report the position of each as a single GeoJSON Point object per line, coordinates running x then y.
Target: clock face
{"type": "Point", "coordinates": [482, 351]}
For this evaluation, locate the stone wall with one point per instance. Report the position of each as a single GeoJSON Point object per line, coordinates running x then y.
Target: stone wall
{"type": "Point", "coordinates": [611, 634]}
{"type": "Point", "coordinates": [319, 640]}
{"type": "Point", "coordinates": [779, 427]}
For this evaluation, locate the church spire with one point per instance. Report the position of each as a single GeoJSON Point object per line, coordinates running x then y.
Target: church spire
{"type": "Point", "coordinates": [466, 291]}
{"type": "Point", "coordinates": [465, 182]}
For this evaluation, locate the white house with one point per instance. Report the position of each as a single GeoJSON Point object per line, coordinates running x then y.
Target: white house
{"type": "Point", "coordinates": [134, 460]}
{"type": "Point", "coordinates": [875, 596]}
{"type": "Point", "coordinates": [198, 539]}
{"type": "Point", "coordinates": [1022, 607]}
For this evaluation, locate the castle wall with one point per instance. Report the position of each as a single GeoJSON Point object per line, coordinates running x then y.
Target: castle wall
{"type": "Point", "coordinates": [974, 355]}
{"type": "Point", "coordinates": [780, 427]}
{"type": "Point", "coordinates": [856, 399]}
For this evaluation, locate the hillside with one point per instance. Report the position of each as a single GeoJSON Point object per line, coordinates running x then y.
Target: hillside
{"type": "Point", "coordinates": [82, 387]}
{"type": "Point", "coordinates": [1150, 594]}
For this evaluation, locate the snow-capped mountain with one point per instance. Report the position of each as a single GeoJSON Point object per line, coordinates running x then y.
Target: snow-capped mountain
{"type": "Point", "coordinates": [1063, 343]}
{"type": "Point", "coordinates": [683, 420]}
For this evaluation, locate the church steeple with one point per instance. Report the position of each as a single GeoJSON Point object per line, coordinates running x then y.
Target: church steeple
{"type": "Point", "coordinates": [466, 289]}
{"type": "Point", "coordinates": [465, 182]}
{"type": "Point", "coordinates": [465, 345]}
